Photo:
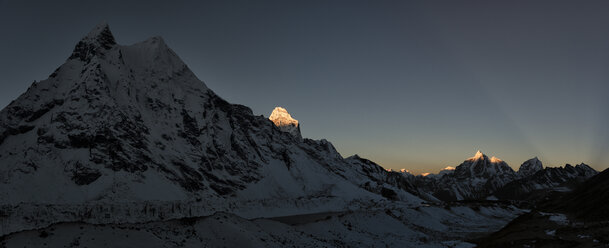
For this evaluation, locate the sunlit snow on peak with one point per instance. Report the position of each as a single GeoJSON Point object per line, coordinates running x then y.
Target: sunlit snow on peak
{"type": "Point", "coordinates": [496, 160]}
{"type": "Point", "coordinates": [284, 121]}
{"type": "Point", "coordinates": [479, 155]}
{"type": "Point", "coordinates": [281, 117]}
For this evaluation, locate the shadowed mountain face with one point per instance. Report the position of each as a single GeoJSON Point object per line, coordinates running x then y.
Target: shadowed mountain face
{"type": "Point", "coordinates": [127, 137]}
{"type": "Point", "coordinates": [125, 123]}
{"type": "Point", "coordinates": [530, 167]}
{"type": "Point", "coordinates": [134, 113]}
{"type": "Point", "coordinates": [589, 201]}
{"type": "Point", "coordinates": [564, 219]}
{"type": "Point", "coordinates": [541, 182]}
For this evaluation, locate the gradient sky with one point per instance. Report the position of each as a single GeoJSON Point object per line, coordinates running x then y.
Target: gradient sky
{"type": "Point", "coordinates": [419, 85]}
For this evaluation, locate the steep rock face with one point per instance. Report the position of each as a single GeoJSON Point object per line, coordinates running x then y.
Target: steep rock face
{"type": "Point", "coordinates": [133, 123]}
{"type": "Point", "coordinates": [475, 178]}
{"type": "Point", "coordinates": [124, 114]}
{"type": "Point", "coordinates": [530, 167]}
{"type": "Point", "coordinates": [94, 43]}
{"type": "Point", "coordinates": [285, 122]}
{"type": "Point", "coordinates": [548, 179]}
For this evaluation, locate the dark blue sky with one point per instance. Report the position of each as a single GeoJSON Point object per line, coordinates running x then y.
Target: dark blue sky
{"type": "Point", "coordinates": [409, 84]}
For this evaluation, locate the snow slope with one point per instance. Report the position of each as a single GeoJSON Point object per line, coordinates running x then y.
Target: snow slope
{"type": "Point", "coordinates": [127, 137]}
{"type": "Point", "coordinates": [131, 125]}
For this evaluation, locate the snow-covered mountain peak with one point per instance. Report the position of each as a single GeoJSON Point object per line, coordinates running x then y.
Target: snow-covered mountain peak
{"type": "Point", "coordinates": [472, 179]}
{"type": "Point", "coordinates": [281, 117]}
{"type": "Point", "coordinates": [99, 31]}
{"type": "Point", "coordinates": [586, 170]}
{"type": "Point", "coordinates": [95, 42]}
{"type": "Point", "coordinates": [583, 165]}
{"type": "Point", "coordinates": [134, 109]}
{"type": "Point", "coordinates": [534, 160]}
{"type": "Point", "coordinates": [155, 42]}
{"type": "Point", "coordinates": [153, 56]}
{"type": "Point", "coordinates": [496, 160]}
{"type": "Point", "coordinates": [530, 167]}
{"type": "Point", "coordinates": [447, 170]}
{"type": "Point", "coordinates": [120, 123]}
{"type": "Point", "coordinates": [481, 166]}
{"type": "Point", "coordinates": [479, 155]}
{"type": "Point", "coordinates": [284, 121]}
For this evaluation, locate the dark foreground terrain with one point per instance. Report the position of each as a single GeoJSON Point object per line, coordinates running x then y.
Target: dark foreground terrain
{"type": "Point", "coordinates": [575, 219]}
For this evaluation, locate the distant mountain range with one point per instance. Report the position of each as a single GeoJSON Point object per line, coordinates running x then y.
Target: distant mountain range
{"type": "Point", "coordinates": [480, 178]}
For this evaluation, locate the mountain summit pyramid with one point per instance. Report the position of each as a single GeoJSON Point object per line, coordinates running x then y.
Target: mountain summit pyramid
{"type": "Point", "coordinates": [475, 178]}
{"type": "Point", "coordinates": [482, 167]}
{"type": "Point", "coordinates": [285, 122]}
{"type": "Point", "coordinates": [124, 127]}
{"type": "Point", "coordinates": [133, 123]}
{"type": "Point", "coordinates": [97, 40]}
{"type": "Point", "coordinates": [530, 167]}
